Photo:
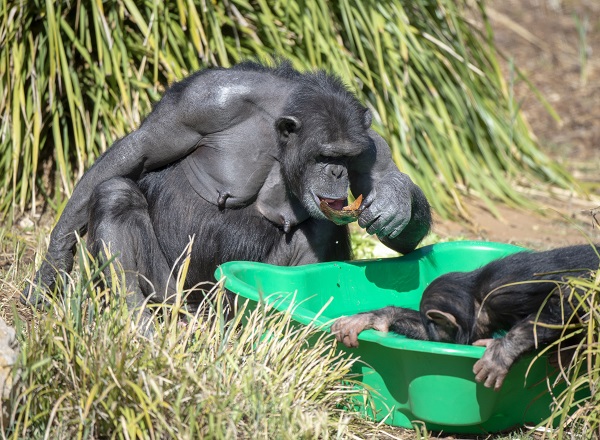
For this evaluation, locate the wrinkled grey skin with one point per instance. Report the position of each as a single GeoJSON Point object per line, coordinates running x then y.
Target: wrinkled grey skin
{"type": "Point", "coordinates": [229, 128]}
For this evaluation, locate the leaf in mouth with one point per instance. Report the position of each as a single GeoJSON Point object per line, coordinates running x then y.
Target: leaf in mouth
{"type": "Point", "coordinates": [347, 214]}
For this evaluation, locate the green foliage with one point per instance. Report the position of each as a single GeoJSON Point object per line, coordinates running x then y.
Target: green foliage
{"type": "Point", "coordinates": [365, 246]}
{"type": "Point", "coordinates": [88, 372]}
{"type": "Point", "coordinates": [576, 411]}
{"type": "Point", "coordinates": [74, 76]}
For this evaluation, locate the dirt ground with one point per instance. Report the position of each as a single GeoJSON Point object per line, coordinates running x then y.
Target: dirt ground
{"type": "Point", "coordinates": [556, 44]}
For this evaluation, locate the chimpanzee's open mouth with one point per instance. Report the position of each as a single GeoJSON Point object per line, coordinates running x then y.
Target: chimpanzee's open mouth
{"type": "Point", "coordinates": [335, 210]}
{"type": "Point", "coordinates": [335, 204]}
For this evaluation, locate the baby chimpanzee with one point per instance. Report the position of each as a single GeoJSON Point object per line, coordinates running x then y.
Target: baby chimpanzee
{"type": "Point", "coordinates": [515, 293]}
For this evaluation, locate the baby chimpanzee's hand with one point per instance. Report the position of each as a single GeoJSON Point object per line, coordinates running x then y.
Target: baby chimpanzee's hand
{"type": "Point", "coordinates": [346, 329]}
{"type": "Point", "coordinates": [493, 366]}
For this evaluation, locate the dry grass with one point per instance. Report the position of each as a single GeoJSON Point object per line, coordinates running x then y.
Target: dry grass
{"type": "Point", "coordinates": [88, 372]}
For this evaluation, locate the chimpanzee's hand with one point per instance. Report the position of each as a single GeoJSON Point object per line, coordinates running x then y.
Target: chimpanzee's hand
{"type": "Point", "coordinates": [493, 366]}
{"type": "Point", "coordinates": [346, 329]}
{"type": "Point", "coordinates": [388, 207]}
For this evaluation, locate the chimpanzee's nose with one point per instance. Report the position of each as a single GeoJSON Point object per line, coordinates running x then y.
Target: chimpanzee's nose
{"type": "Point", "coordinates": [337, 171]}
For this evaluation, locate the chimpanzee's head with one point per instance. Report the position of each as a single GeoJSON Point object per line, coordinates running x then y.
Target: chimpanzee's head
{"type": "Point", "coordinates": [322, 132]}
{"type": "Point", "coordinates": [447, 309]}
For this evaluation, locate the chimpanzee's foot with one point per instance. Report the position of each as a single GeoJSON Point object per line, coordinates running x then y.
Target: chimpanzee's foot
{"type": "Point", "coordinates": [32, 296]}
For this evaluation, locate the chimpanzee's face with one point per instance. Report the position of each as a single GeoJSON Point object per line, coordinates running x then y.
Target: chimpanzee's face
{"type": "Point", "coordinates": [317, 158]}
{"type": "Point", "coordinates": [447, 309]}
{"type": "Point", "coordinates": [441, 329]}
{"type": "Point", "coordinates": [326, 177]}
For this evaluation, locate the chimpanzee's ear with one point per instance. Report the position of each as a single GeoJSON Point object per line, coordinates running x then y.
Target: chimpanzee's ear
{"type": "Point", "coordinates": [444, 319]}
{"type": "Point", "coordinates": [287, 125]}
{"type": "Point", "coordinates": [367, 118]}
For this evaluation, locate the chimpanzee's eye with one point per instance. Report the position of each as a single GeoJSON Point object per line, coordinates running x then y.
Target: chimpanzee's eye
{"type": "Point", "coordinates": [322, 158]}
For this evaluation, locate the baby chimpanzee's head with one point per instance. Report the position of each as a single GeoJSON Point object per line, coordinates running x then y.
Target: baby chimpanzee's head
{"type": "Point", "coordinates": [448, 309]}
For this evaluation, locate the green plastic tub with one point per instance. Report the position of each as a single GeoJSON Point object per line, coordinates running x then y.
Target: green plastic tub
{"type": "Point", "coordinates": [413, 380]}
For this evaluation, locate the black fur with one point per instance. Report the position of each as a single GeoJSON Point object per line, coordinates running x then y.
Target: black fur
{"type": "Point", "coordinates": [240, 159]}
{"type": "Point", "coordinates": [517, 294]}
{"type": "Point", "coordinates": [219, 235]}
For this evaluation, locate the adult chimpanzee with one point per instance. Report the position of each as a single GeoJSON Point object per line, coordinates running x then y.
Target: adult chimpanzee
{"type": "Point", "coordinates": [240, 158]}
{"type": "Point", "coordinates": [519, 293]}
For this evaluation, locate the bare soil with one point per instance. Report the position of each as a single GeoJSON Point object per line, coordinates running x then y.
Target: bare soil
{"type": "Point", "coordinates": [556, 44]}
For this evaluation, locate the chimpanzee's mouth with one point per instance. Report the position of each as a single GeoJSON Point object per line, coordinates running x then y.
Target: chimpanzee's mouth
{"type": "Point", "coordinates": [335, 210]}
{"type": "Point", "coordinates": [335, 204]}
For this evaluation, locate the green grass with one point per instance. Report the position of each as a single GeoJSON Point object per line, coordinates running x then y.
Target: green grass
{"type": "Point", "coordinates": [75, 76]}
{"type": "Point", "coordinates": [88, 372]}
{"type": "Point", "coordinates": [577, 408]}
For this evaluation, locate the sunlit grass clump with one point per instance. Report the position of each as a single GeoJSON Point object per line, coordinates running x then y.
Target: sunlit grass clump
{"type": "Point", "coordinates": [76, 76]}
{"type": "Point", "coordinates": [88, 372]}
{"type": "Point", "coordinates": [576, 412]}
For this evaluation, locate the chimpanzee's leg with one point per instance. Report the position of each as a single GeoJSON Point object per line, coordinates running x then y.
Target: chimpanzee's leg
{"type": "Point", "coordinates": [313, 241]}
{"type": "Point", "coordinates": [119, 225]}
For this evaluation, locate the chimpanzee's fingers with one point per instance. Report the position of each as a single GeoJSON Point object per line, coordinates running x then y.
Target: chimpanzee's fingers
{"type": "Point", "coordinates": [482, 372]}
{"type": "Point", "coordinates": [483, 342]}
{"type": "Point", "coordinates": [384, 219]}
{"type": "Point", "coordinates": [394, 228]}
{"type": "Point", "coordinates": [367, 220]}
{"type": "Point", "coordinates": [376, 223]}
{"type": "Point", "coordinates": [36, 294]}
{"type": "Point", "coordinates": [344, 332]}
{"type": "Point", "coordinates": [350, 339]}
{"type": "Point", "coordinates": [490, 380]}
{"type": "Point", "coordinates": [368, 200]}
{"type": "Point", "coordinates": [368, 215]}
{"type": "Point", "coordinates": [490, 374]}
{"type": "Point", "coordinates": [494, 380]}
{"type": "Point", "coordinates": [347, 329]}
{"type": "Point", "coordinates": [335, 330]}
{"type": "Point", "coordinates": [499, 381]}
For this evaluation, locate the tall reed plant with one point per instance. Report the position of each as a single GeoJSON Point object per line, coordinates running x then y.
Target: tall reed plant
{"type": "Point", "coordinates": [75, 76]}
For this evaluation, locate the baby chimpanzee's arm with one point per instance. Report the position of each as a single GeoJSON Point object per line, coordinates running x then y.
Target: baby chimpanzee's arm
{"type": "Point", "coordinates": [531, 332]}
{"type": "Point", "coordinates": [397, 319]}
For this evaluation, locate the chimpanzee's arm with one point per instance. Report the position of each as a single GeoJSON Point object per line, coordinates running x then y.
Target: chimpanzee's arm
{"type": "Point", "coordinates": [161, 139]}
{"type": "Point", "coordinates": [190, 111]}
{"type": "Point", "coordinates": [396, 209]}
{"type": "Point", "coordinates": [397, 319]}
{"type": "Point", "coordinates": [535, 330]}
